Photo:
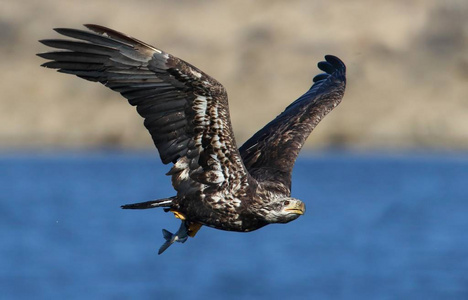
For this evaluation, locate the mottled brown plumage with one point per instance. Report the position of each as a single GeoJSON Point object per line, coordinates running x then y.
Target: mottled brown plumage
{"type": "Point", "coordinates": [187, 114]}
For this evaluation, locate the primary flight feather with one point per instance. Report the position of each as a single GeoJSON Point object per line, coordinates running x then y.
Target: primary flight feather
{"type": "Point", "coordinates": [187, 114]}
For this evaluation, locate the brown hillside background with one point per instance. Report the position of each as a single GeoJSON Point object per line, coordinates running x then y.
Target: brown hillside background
{"type": "Point", "coordinates": [407, 66]}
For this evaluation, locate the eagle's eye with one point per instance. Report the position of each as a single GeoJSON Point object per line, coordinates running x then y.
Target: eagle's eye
{"type": "Point", "coordinates": [286, 202]}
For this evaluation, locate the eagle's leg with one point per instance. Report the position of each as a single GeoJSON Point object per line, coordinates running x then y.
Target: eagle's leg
{"type": "Point", "coordinates": [192, 227]}
{"type": "Point", "coordinates": [178, 214]}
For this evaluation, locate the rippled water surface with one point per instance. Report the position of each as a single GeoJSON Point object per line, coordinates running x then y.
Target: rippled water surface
{"type": "Point", "coordinates": [377, 226]}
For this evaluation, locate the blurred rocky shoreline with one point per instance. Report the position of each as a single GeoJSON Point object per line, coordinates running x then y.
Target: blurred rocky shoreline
{"type": "Point", "coordinates": [407, 68]}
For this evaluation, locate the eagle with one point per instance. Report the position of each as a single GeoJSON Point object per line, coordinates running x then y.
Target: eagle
{"type": "Point", "coordinates": [186, 112]}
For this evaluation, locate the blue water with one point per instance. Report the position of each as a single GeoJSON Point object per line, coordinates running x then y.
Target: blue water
{"type": "Point", "coordinates": [378, 226]}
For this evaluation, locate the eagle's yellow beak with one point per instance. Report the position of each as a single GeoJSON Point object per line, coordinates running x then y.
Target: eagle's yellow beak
{"type": "Point", "coordinates": [296, 208]}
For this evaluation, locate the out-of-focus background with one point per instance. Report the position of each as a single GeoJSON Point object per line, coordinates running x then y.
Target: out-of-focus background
{"type": "Point", "coordinates": [407, 68]}
{"type": "Point", "coordinates": [383, 176]}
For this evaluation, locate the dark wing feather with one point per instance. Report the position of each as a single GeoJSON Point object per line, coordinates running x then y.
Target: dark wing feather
{"type": "Point", "coordinates": [270, 154]}
{"type": "Point", "coordinates": [185, 110]}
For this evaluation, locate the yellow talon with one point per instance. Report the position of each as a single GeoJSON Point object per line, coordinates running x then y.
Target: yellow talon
{"type": "Point", "coordinates": [178, 215]}
{"type": "Point", "coordinates": [193, 229]}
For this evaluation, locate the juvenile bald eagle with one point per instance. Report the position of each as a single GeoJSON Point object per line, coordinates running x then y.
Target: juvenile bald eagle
{"type": "Point", "coordinates": [186, 112]}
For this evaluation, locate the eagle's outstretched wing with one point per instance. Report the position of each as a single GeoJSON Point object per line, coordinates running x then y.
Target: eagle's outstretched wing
{"type": "Point", "coordinates": [185, 110]}
{"type": "Point", "coordinates": [270, 154]}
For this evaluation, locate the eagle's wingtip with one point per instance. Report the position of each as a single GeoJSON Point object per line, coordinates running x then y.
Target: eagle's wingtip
{"type": "Point", "coordinates": [330, 66]}
{"type": "Point", "coordinates": [335, 61]}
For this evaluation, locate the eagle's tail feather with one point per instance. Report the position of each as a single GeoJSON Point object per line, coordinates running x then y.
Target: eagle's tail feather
{"type": "Point", "coordinates": [166, 202]}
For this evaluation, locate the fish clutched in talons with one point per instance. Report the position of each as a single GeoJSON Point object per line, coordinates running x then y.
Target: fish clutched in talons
{"type": "Point", "coordinates": [192, 227]}
{"type": "Point", "coordinates": [186, 229]}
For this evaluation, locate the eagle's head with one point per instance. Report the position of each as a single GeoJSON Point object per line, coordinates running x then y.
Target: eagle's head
{"type": "Point", "coordinates": [283, 210]}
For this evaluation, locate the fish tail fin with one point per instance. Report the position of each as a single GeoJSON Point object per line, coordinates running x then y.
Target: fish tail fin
{"type": "Point", "coordinates": [180, 236]}
{"type": "Point", "coordinates": [166, 202]}
{"type": "Point", "coordinates": [168, 236]}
